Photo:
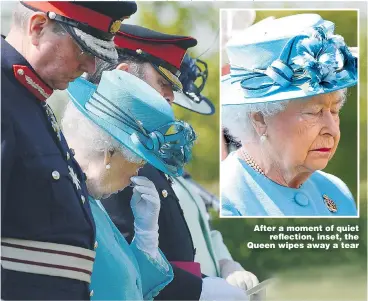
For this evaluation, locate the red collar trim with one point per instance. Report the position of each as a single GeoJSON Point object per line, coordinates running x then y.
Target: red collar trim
{"type": "Point", "coordinates": [32, 82]}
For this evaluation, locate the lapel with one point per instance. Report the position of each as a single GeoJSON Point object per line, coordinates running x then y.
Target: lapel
{"type": "Point", "coordinates": [204, 223]}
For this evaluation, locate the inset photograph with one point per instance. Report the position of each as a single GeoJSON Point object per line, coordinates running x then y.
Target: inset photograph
{"type": "Point", "coordinates": [289, 114]}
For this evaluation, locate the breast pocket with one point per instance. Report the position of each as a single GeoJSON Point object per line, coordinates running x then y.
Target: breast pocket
{"type": "Point", "coordinates": [52, 195]}
{"type": "Point", "coordinates": [68, 198]}
{"type": "Point", "coordinates": [175, 238]}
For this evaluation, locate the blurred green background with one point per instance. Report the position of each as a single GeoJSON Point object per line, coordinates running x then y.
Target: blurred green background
{"type": "Point", "coordinates": [306, 274]}
{"type": "Point", "coordinates": [189, 19]}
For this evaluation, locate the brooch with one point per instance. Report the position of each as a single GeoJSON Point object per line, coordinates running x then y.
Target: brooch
{"type": "Point", "coordinates": [330, 203]}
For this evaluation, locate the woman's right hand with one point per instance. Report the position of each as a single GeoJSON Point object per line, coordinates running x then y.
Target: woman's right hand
{"type": "Point", "coordinates": [145, 204]}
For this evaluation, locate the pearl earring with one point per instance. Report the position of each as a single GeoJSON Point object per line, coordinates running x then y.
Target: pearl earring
{"type": "Point", "coordinates": [263, 138]}
{"type": "Point", "coordinates": [108, 166]}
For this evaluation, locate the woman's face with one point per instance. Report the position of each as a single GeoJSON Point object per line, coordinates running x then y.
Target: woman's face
{"type": "Point", "coordinates": [305, 135]}
{"type": "Point", "coordinates": [112, 180]}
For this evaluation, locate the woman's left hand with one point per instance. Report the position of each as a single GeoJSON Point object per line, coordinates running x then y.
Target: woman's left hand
{"type": "Point", "coordinates": [236, 275]}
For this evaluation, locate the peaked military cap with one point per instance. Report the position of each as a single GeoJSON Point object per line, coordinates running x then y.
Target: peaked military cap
{"type": "Point", "coordinates": [92, 24]}
{"type": "Point", "coordinates": [165, 52]}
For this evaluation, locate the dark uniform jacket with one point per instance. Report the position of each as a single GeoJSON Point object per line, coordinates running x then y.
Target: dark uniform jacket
{"type": "Point", "coordinates": [40, 201]}
{"type": "Point", "coordinates": [175, 239]}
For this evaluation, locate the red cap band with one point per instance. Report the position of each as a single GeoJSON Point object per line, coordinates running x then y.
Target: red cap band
{"type": "Point", "coordinates": [170, 53]}
{"type": "Point", "coordinates": [75, 12]}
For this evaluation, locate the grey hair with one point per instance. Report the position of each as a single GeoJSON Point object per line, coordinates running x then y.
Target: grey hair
{"type": "Point", "coordinates": [136, 65]}
{"type": "Point", "coordinates": [237, 118]}
{"type": "Point", "coordinates": [94, 139]}
{"type": "Point", "coordinates": [21, 16]}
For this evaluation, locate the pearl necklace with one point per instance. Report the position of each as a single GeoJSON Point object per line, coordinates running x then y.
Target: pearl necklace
{"type": "Point", "coordinates": [250, 161]}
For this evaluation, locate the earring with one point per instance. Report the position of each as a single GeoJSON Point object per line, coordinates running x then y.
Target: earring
{"type": "Point", "coordinates": [108, 166]}
{"type": "Point", "coordinates": [263, 138]}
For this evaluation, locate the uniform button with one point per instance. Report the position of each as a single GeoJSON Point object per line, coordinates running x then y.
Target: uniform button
{"type": "Point", "coordinates": [20, 71]}
{"type": "Point", "coordinates": [52, 15]}
{"type": "Point", "coordinates": [91, 293]}
{"type": "Point", "coordinates": [72, 152]}
{"type": "Point", "coordinates": [95, 245]}
{"type": "Point", "coordinates": [56, 175]}
{"type": "Point", "coordinates": [164, 193]}
{"type": "Point", "coordinates": [67, 155]}
{"type": "Point", "coordinates": [301, 199]}
{"type": "Point", "coordinates": [83, 199]}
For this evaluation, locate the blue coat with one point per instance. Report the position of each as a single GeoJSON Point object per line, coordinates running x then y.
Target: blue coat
{"type": "Point", "coordinates": [122, 271]}
{"type": "Point", "coordinates": [245, 192]}
{"type": "Point", "coordinates": [40, 200]}
{"type": "Point", "coordinates": [175, 239]}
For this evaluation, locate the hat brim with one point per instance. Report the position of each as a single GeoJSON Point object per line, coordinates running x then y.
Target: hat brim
{"type": "Point", "coordinates": [94, 44]}
{"type": "Point", "coordinates": [232, 94]}
{"type": "Point", "coordinates": [80, 91]}
{"type": "Point", "coordinates": [204, 106]}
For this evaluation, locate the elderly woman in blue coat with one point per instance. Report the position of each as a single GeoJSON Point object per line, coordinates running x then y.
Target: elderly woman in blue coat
{"type": "Point", "coordinates": [282, 100]}
{"type": "Point", "coordinates": [114, 129]}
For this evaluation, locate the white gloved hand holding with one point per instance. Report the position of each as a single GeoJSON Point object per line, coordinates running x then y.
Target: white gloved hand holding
{"type": "Point", "coordinates": [145, 205]}
{"type": "Point", "coordinates": [216, 288]}
{"type": "Point", "coordinates": [235, 275]}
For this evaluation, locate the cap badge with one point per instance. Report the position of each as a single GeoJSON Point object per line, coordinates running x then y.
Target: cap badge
{"type": "Point", "coordinates": [115, 26]}
{"type": "Point", "coordinates": [171, 77]}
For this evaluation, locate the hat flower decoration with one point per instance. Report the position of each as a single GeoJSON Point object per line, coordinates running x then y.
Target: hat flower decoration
{"type": "Point", "coordinates": [287, 58]}
{"type": "Point", "coordinates": [174, 149]}
{"type": "Point", "coordinates": [138, 117]}
{"type": "Point", "coordinates": [319, 55]}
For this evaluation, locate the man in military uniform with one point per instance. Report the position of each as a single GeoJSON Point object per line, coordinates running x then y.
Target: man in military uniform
{"type": "Point", "coordinates": [156, 58]}
{"type": "Point", "coordinates": [48, 234]}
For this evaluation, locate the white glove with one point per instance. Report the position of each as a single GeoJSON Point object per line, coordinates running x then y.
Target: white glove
{"type": "Point", "coordinates": [235, 274]}
{"type": "Point", "coordinates": [145, 205]}
{"type": "Point", "coordinates": [216, 288]}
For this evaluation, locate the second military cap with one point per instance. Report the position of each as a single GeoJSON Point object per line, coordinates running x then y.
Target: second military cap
{"type": "Point", "coordinates": [165, 52]}
{"type": "Point", "coordinates": [92, 24]}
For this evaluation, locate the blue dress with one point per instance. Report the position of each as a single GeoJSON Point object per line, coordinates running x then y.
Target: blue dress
{"type": "Point", "coordinates": [245, 192]}
{"type": "Point", "coordinates": [122, 271]}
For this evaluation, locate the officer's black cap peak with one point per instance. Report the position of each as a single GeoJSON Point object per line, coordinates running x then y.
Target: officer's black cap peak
{"type": "Point", "coordinates": [152, 36]}
{"type": "Point", "coordinates": [92, 24]}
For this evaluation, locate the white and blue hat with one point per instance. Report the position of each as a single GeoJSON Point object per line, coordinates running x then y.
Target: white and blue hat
{"type": "Point", "coordinates": [193, 76]}
{"type": "Point", "coordinates": [288, 58]}
{"type": "Point", "coordinates": [138, 117]}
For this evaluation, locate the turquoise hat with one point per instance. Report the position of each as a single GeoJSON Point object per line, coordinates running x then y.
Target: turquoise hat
{"type": "Point", "coordinates": [138, 117]}
{"type": "Point", "coordinates": [288, 58]}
